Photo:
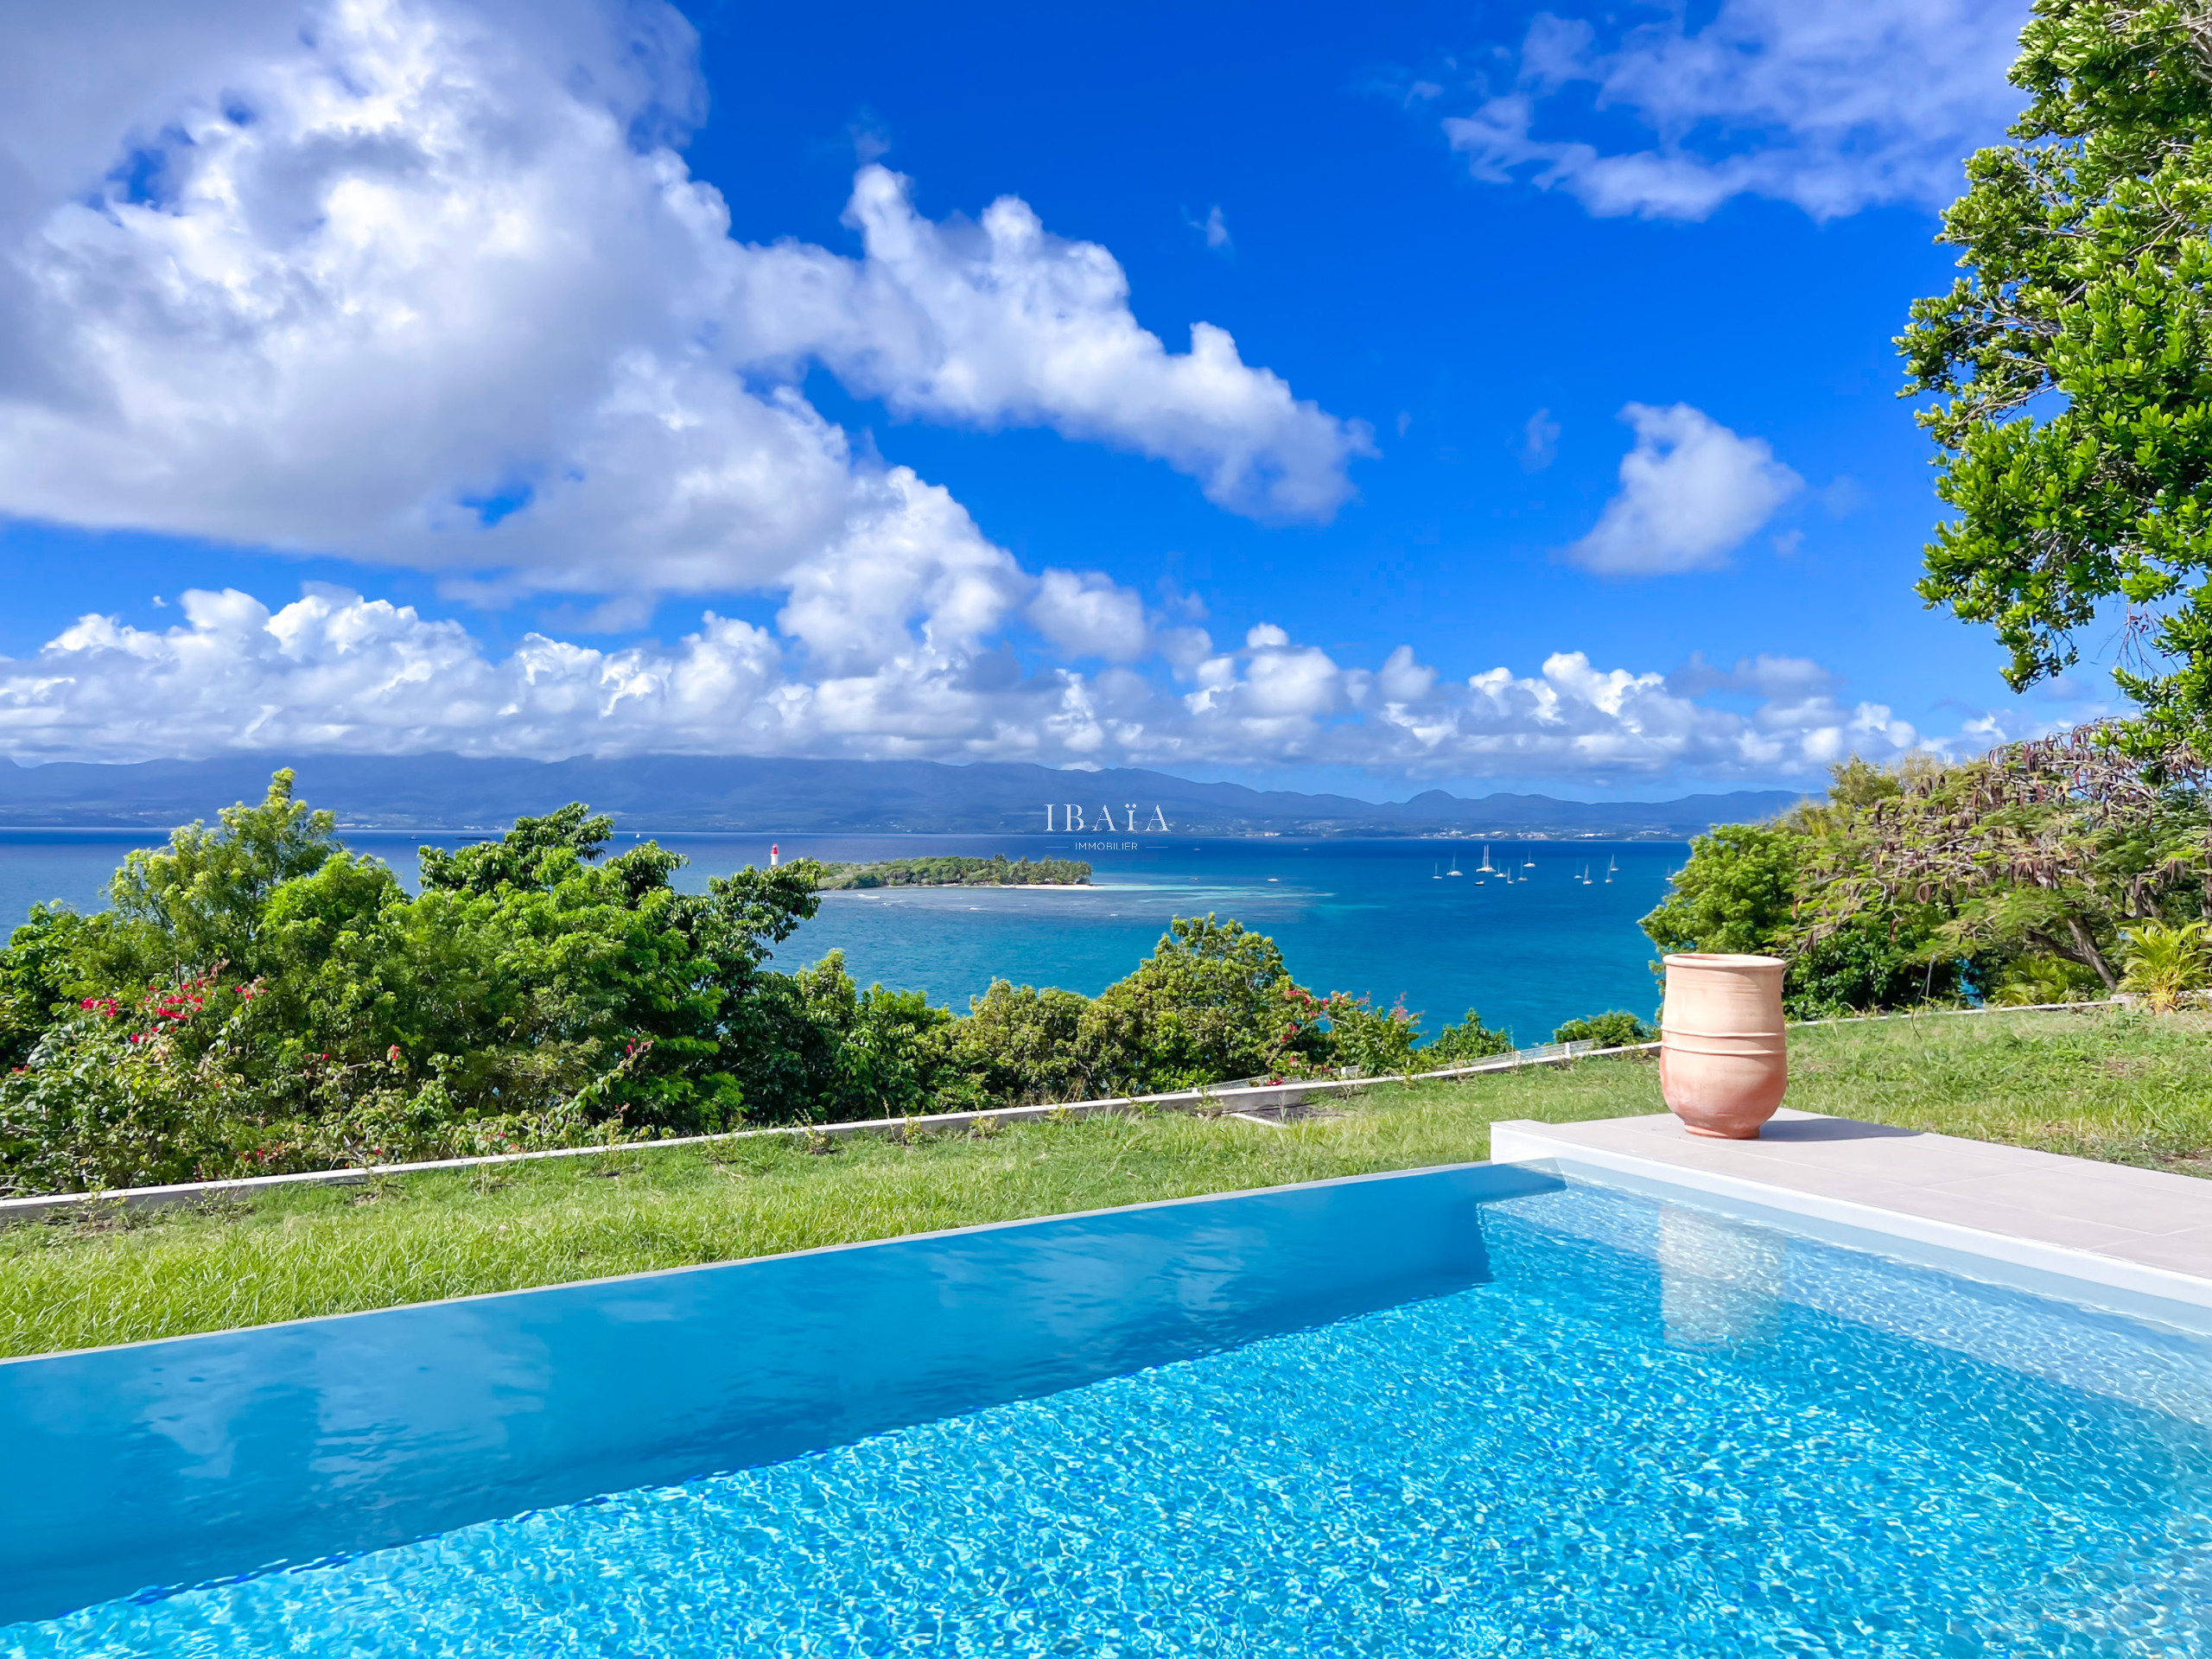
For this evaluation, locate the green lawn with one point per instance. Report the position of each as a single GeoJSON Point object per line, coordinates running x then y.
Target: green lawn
{"type": "Point", "coordinates": [2119, 1086]}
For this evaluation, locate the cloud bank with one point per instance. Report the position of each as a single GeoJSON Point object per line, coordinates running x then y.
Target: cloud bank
{"type": "Point", "coordinates": [335, 672]}
{"type": "Point", "coordinates": [1831, 108]}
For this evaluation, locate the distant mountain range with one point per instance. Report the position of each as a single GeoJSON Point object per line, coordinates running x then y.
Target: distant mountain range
{"type": "Point", "coordinates": [682, 792]}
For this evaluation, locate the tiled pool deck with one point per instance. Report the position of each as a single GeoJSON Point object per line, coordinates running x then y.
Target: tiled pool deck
{"type": "Point", "coordinates": [2152, 1229]}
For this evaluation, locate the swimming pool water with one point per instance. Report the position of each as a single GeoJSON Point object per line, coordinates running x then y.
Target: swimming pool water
{"type": "Point", "coordinates": [1651, 1432]}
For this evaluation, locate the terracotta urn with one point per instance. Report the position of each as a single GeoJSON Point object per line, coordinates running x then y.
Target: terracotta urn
{"type": "Point", "coordinates": [1724, 1055]}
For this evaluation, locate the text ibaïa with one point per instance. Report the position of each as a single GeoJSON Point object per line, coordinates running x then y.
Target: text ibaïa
{"type": "Point", "coordinates": [1071, 821]}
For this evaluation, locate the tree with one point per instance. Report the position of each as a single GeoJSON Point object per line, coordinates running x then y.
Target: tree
{"type": "Point", "coordinates": [2046, 848]}
{"type": "Point", "coordinates": [204, 899]}
{"type": "Point", "coordinates": [1214, 1001]}
{"type": "Point", "coordinates": [1737, 893]}
{"type": "Point", "coordinates": [1752, 888]}
{"type": "Point", "coordinates": [36, 970]}
{"type": "Point", "coordinates": [1460, 1044]}
{"type": "Point", "coordinates": [2072, 367]}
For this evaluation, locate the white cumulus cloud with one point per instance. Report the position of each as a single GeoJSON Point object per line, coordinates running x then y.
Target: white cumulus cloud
{"type": "Point", "coordinates": [1833, 108]}
{"type": "Point", "coordinates": [1002, 323]}
{"type": "Point", "coordinates": [1691, 492]}
{"type": "Point", "coordinates": [1085, 614]}
{"type": "Point", "coordinates": [334, 672]}
{"type": "Point", "coordinates": [428, 283]}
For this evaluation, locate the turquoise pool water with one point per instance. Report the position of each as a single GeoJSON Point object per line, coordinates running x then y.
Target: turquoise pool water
{"type": "Point", "coordinates": [1637, 1429]}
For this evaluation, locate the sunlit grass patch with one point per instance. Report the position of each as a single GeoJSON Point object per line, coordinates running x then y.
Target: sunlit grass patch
{"type": "Point", "coordinates": [2124, 1087]}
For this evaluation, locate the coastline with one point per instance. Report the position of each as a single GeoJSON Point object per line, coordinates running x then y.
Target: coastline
{"type": "Point", "coordinates": [974, 886]}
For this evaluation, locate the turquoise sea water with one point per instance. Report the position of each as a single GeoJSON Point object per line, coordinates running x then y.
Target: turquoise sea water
{"type": "Point", "coordinates": [1376, 918]}
{"type": "Point", "coordinates": [1648, 1431]}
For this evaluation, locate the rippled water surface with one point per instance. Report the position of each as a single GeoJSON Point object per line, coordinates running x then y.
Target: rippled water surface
{"type": "Point", "coordinates": [1653, 1434]}
{"type": "Point", "coordinates": [1381, 919]}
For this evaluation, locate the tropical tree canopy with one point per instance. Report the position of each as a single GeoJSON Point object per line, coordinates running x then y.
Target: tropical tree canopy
{"type": "Point", "coordinates": [2071, 366]}
{"type": "Point", "coordinates": [2025, 875]}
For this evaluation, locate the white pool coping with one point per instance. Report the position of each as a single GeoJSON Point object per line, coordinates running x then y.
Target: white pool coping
{"type": "Point", "coordinates": [2136, 1240]}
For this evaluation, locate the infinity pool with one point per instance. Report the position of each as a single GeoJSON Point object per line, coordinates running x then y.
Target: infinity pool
{"type": "Point", "coordinates": [1621, 1426]}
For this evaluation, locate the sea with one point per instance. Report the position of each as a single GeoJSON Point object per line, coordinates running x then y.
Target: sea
{"type": "Point", "coordinates": [1528, 933]}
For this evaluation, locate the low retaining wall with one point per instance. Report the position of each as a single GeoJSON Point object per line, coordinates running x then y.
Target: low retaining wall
{"type": "Point", "coordinates": [1236, 1099]}
{"type": "Point", "coordinates": [1242, 1098]}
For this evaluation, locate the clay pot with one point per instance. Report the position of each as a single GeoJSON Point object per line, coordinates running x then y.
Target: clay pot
{"type": "Point", "coordinates": [1724, 1056]}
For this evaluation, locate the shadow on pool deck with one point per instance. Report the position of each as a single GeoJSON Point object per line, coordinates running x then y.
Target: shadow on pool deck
{"type": "Point", "coordinates": [1835, 1129]}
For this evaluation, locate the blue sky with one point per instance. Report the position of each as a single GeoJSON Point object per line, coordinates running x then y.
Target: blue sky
{"type": "Point", "coordinates": [1544, 433]}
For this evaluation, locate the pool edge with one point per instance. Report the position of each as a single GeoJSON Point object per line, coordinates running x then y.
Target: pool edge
{"type": "Point", "coordinates": [2141, 1291]}
{"type": "Point", "coordinates": [772, 1255]}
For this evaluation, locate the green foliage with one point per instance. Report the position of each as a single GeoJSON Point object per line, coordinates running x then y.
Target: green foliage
{"type": "Point", "coordinates": [35, 971]}
{"type": "Point", "coordinates": [535, 993]}
{"type": "Point", "coordinates": [1212, 1003]}
{"type": "Point", "coordinates": [1462, 1043]}
{"type": "Point", "coordinates": [2042, 982]}
{"type": "Point", "coordinates": [2072, 367]}
{"type": "Point", "coordinates": [1612, 1029]}
{"type": "Point", "coordinates": [1928, 882]}
{"type": "Point", "coordinates": [116, 1094]}
{"type": "Point", "coordinates": [1742, 889]}
{"type": "Point", "coordinates": [259, 999]}
{"type": "Point", "coordinates": [532, 857]}
{"type": "Point", "coordinates": [2166, 963]}
{"type": "Point", "coordinates": [1735, 894]}
{"type": "Point", "coordinates": [1373, 1042]}
{"type": "Point", "coordinates": [1892, 959]}
{"type": "Point", "coordinates": [997, 871]}
{"type": "Point", "coordinates": [2044, 849]}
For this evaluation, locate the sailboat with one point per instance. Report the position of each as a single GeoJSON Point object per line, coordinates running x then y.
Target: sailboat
{"type": "Point", "coordinates": [1454, 870]}
{"type": "Point", "coordinates": [1585, 875]}
{"type": "Point", "coordinates": [1436, 872]}
{"type": "Point", "coordinates": [1530, 865]}
{"type": "Point", "coordinates": [1612, 869]}
{"type": "Point", "coordinates": [1486, 868]}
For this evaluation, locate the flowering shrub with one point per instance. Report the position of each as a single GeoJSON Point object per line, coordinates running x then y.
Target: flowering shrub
{"type": "Point", "coordinates": [124, 1094]}
{"type": "Point", "coordinates": [121, 1094]}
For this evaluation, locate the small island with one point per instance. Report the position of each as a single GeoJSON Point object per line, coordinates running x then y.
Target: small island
{"type": "Point", "coordinates": [997, 871]}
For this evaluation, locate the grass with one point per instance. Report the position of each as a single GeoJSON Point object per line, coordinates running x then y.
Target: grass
{"type": "Point", "coordinates": [2119, 1086]}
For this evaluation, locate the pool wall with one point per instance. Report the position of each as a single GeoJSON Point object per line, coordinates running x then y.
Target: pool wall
{"type": "Point", "coordinates": [171, 1463]}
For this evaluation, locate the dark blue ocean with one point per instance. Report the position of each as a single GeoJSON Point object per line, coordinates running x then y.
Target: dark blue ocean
{"type": "Point", "coordinates": [1379, 918]}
